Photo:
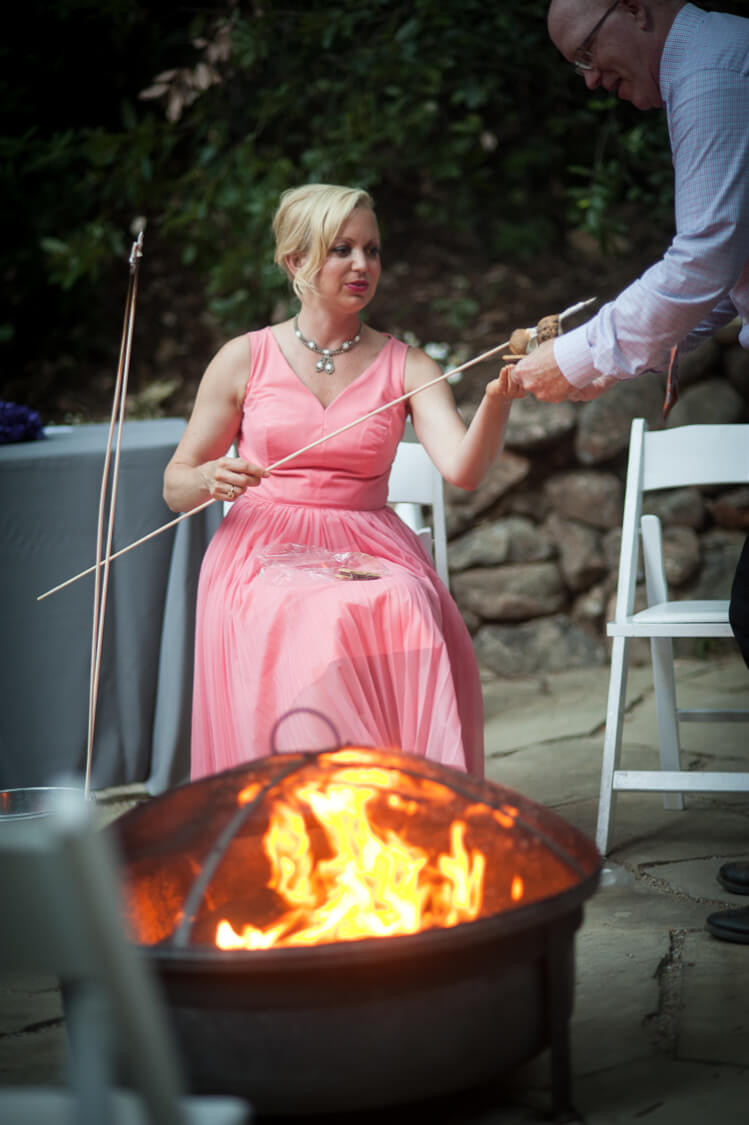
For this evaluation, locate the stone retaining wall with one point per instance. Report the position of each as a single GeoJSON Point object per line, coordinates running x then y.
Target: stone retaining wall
{"type": "Point", "coordinates": [533, 552]}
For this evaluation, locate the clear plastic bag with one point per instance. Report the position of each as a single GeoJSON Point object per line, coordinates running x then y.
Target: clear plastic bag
{"type": "Point", "coordinates": [283, 564]}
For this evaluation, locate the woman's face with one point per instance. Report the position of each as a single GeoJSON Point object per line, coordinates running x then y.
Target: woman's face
{"type": "Point", "coordinates": [349, 277]}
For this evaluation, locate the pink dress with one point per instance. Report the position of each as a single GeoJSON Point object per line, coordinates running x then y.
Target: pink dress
{"type": "Point", "coordinates": [290, 659]}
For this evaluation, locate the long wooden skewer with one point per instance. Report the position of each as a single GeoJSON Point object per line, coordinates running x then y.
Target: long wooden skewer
{"type": "Point", "coordinates": [356, 421]}
{"type": "Point", "coordinates": [201, 507]}
{"type": "Point", "coordinates": [102, 569]}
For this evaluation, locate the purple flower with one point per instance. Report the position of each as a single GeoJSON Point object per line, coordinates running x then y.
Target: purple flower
{"type": "Point", "coordinates": [19, 423]}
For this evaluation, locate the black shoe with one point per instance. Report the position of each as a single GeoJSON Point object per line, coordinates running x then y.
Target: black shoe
{"type": "Point", "coordinates": [735, 877]}
{"type": "Point", "coordinates": [730, 925]}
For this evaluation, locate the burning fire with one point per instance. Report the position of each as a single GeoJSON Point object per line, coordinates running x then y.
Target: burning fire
{"type": "Point", "coordinates": [373, 881]}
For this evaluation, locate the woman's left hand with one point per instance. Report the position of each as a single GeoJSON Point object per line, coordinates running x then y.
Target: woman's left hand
{"type": "Point", "coordinates": [503, 388]}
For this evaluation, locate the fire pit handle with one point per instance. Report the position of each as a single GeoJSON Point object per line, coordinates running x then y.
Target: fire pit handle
{"type": "Point", "coordinates": [297, 711]}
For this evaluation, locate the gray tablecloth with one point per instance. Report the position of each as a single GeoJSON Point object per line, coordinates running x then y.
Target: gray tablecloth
{"type": "Point", "coordinates": [49, 497]}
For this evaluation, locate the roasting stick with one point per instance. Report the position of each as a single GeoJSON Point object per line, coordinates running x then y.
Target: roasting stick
{"type": "Point", "coordinates": [101, 583]}
{"type": "Point", "coordinates": [333, 433]}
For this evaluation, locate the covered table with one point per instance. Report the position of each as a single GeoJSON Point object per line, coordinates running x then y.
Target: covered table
{"type": "Point", "coordinates": [49, 496]}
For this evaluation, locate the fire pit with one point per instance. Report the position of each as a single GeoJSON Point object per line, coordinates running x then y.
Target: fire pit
{"type": "Point", "coordinates": [352, 928]}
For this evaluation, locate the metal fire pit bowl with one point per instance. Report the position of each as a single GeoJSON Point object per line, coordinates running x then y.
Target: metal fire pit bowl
{"type": "Point", "coordinates": [351, 1025]}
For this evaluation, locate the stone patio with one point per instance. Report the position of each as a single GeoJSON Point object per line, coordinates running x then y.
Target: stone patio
{"type": "Point", "coordinates": [660, 1031]}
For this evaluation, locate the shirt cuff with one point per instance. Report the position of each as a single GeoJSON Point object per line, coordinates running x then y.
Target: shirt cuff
{"type": "Point", "coordinates": [572, 357]}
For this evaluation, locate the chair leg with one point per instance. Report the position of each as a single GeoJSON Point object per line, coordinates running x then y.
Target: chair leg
{"type": "Point", "coordinates": [612, 740]}
{"type": "Point", "coordinates": [664, 682]}
{"type": "Point", "coordinates": [90, 1036]}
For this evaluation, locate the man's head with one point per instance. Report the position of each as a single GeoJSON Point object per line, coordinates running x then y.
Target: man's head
{"type": "Point", "coordinates": [616, 44]}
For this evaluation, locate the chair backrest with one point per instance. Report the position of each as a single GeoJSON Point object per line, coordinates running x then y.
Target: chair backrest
{"type": "Point", "coordinates": [695, 455]}
{"type": "Point", "coordinates": [61, 914]}
{"type": "Point", "coordinates": [673, 458]}
{"type": "Point", "coordinates": [416, 483]}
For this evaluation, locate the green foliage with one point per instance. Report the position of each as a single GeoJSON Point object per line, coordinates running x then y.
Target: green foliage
{"type": "Point", "coordinates": [434, 110]}
{"type": "Point", "coordinates": [627, 166]}
{"type": "Point", "coordinates": [460, 117]}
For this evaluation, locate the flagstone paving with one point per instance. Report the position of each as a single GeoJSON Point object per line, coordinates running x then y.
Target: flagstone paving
{"type": "Point", "coordinates": [660, 1028]}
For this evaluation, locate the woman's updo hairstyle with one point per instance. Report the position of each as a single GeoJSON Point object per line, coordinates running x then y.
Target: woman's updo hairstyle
{"type": "Point", "coordinates": [306, 224]}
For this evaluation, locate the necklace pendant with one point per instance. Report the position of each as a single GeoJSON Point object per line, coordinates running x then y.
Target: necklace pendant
{"type": "Point", "coordinates": [325, 363]}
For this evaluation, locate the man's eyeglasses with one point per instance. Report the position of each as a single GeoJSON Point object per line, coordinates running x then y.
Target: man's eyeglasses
{"type": "Point", "coordinates": [583, 57]}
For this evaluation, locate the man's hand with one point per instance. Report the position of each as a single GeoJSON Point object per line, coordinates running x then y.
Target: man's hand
{"type": "Point", "coordinates": [538, 374]}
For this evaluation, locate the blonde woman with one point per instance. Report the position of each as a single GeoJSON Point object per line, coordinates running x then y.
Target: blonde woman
{"type": "Point", "coordinates": [388, 661]}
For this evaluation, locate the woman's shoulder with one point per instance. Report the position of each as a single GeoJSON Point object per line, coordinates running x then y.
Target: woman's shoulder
{"type": "Point", "coordinates": [415, 354]}
{"type": "Point", "coordinates": [239, 349]}
{"type": "Point", "coordinates": [416, 365]}
{"type": "Point", "coordinates": [420, 368]}
{"type": "Point", "coordinates": [383, 343]}
{"type": "Point", "coordinates": [233, 352]}
{"type": "Point", "coordinates": [229, 369]}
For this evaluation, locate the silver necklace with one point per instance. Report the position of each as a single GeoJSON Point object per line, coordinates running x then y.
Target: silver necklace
{"type": "Point", "coordinates": [325, 363]}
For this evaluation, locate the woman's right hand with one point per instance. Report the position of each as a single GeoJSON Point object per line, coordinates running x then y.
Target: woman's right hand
{"type": "Point", "coordinates": [228, 477]}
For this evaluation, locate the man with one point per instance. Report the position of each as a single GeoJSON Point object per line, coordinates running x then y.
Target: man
{"type": "Point", "coordinates": [695, 64]}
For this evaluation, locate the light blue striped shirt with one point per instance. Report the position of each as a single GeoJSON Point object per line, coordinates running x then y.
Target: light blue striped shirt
{"type": "Point", "coordinates": [702, 281]}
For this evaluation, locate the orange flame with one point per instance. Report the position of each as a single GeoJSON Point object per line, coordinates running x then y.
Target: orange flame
{"type": "Point", "coordinates": [374, 882]}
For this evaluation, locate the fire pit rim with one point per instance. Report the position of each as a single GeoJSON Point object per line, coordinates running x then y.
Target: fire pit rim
{"type": "Point", "coordinates": [587, 864]}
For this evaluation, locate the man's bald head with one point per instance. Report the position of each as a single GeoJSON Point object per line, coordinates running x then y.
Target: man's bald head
{"type": "Point", "coordinates": [565, 15]}
{"type": "Point", "coordinates": [577, 17]}
{"type": "Point", "coordinates": [623, 43]}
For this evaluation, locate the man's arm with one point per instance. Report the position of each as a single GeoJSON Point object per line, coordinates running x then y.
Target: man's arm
{"type": "Point", "coordinates": [722, 314]}
{"type": "Point", "coordinates": [688, 287]}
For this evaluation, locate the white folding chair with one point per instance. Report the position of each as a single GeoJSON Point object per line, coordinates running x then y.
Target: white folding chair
{"type": "Point", "coordinates": [415, 483]}
{"type": "Point", "coordinates": [61, 915]}
{"type": "Point", "coordinates": [685, 455]}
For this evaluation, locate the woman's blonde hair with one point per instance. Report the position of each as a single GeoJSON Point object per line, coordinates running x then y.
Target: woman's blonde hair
{"type": "Point", "coordinates": [306, 224]}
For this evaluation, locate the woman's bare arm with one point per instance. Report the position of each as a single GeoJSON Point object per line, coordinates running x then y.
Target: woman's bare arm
{"type": "Point", "coordinates": [200, 469]}
{"type": "Point", "coordinates": [462, 454]}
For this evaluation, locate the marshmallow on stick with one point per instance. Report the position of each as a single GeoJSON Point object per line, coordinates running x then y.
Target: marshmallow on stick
{"type": "Point", "coordinates": [525, 340]}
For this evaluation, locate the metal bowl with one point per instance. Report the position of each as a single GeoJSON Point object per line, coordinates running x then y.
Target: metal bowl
{"type": "Point", "coordinates": [23, 804]}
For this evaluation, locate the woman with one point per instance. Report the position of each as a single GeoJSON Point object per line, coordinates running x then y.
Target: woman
{"type": "Point", "coordinates": [385, 662]}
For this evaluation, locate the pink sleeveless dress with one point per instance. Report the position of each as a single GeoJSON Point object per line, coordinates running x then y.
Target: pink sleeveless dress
{"type": "Point", "coordinates": [289, 658]}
